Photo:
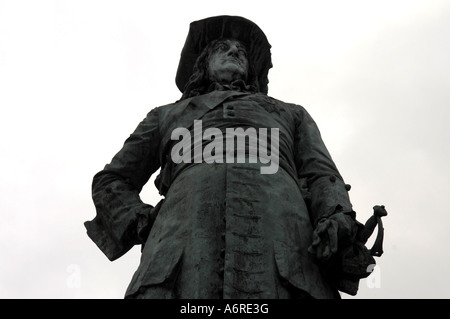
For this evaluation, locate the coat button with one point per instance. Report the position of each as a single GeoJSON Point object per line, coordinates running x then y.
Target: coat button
{"type": "Point", "coordinates": [332, 179]}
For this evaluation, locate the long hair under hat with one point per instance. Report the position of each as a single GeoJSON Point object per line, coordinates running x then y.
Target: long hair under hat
{"type": "Point", "coordinates": [202, 32]}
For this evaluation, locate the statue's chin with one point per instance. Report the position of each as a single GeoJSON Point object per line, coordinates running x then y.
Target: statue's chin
{"type": "Point", "coordinates": [229, 74]}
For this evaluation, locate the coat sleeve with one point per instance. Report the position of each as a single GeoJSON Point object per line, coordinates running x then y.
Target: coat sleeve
{"type": "Point", "coordinates": [122, 219]}
{"type": "Point", "coordinates": [327, 192]}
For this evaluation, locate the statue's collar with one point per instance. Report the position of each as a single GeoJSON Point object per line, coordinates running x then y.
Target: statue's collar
{"type": "Point", "coordinates": [216, 97]}
{"type": "Point", "coordinates": [238, 85]}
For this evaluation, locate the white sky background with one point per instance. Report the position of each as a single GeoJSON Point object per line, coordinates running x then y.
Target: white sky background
{"type": "Point", "coordinates": [76, 77]}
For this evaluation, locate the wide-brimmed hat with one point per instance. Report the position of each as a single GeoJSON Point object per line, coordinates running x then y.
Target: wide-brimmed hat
{"type": "Point", "coordinates": [202, 32]}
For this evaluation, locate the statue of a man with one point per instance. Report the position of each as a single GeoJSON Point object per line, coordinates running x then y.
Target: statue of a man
{"type": "Point", "coordinates": [266, 216]}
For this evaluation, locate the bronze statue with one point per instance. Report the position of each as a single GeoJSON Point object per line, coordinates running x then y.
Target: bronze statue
{"type": "Point", "coordinates": [266, 216]}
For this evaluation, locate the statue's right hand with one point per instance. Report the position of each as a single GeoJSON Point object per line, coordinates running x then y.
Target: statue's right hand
{"type": "Point", "coordinates": [144, 224]}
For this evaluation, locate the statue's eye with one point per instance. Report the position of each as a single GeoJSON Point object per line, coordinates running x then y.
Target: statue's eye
{"type": "Point", "coordinates": [222, 47]}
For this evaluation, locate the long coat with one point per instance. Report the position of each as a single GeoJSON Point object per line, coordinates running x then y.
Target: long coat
{"type": "Point", "coordinates": [223, 230]}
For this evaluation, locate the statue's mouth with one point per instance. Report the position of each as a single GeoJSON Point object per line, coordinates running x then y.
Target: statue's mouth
{"type": "Point", "coordinates": [233, 60]}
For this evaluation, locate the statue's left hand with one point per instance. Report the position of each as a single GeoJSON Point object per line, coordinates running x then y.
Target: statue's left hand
{"type": "Point", "coordinates": [330, 234]}
{"type": "Point", "coordinates": [325, 241]}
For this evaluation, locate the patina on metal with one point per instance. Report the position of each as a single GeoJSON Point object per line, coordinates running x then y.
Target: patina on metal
{"type": "Point", "coordinates": [224, 229]}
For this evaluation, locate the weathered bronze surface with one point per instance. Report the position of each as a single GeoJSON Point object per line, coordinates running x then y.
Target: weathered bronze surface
{"type": "Point", "coordinates": [226, 229]}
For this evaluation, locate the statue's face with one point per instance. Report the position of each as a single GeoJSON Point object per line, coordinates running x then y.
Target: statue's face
{"type": "Point", "coordinates": [228, 62]}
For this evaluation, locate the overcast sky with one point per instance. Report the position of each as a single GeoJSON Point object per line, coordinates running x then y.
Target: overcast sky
{"type": "Point", "coordinates": [76, 77]}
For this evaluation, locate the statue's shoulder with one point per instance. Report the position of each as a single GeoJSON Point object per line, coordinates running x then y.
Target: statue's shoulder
{"type": "Point", "coordinates": [289, 107]}
{"type": "Point", "coordinates": [166, 109]}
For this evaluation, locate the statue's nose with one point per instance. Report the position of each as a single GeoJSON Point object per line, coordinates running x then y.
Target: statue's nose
{"type": "Point", "coordinates": [233, 50]}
